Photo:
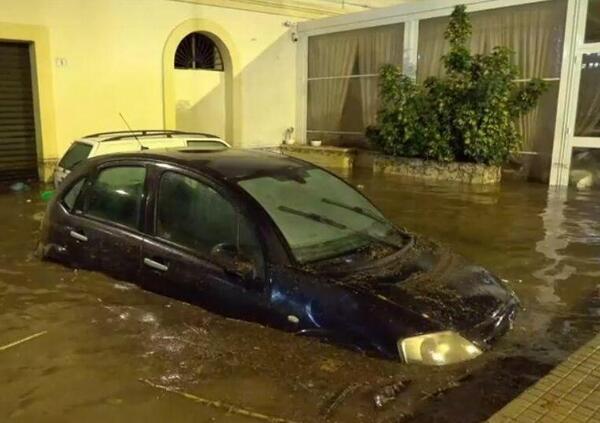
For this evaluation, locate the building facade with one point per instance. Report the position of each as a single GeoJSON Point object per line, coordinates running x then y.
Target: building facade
{"type": "Point", "coordinates": [253, 71]}
{"type": "Point", "coordinates": [556, 40]}
{"type": "Point", "coordinates": [70, 67]}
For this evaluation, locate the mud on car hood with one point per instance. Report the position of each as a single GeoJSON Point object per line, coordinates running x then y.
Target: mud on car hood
{"type": "Point", "coordinates": [443, 288]}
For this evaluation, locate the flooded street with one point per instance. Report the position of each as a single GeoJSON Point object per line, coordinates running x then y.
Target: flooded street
{"type": "Point", "coordinates": [107, 342]}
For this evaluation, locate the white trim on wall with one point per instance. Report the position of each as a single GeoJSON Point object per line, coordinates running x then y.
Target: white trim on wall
{"type": "Point", "coordinates": [561, 151]}
{"type": "Point", "coordinates": [413, 11]}
{"type": "Point", "coordinates": [295, 8]}
{"type": "Point", "coordinates": [325, 131]}
{"type": "Point", "coordinates": [411, 48]}
{"type": "Point", "coordinates": [589, 48]}
{"type": "Point", "coordinates": [364, 75]}
{"type": "Point", "coordinates": [565, 140]}
{"type": "Point", "coordinates": [302, 90]}
{"type": "Point", "coordinates": [586, 142]}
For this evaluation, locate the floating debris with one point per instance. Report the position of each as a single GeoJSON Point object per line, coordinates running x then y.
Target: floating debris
{"type": "Point", "coordinates": [230, 408]}
{"type": "Point", "coordinates": [39, 216]}
{"type": "Point", "coordinates": [148, 318]}
{"type": "Point", "coordinates": [390, 392]}
{"type": "Point", "coordinates": [397, 418]}
{"type": "Point", "coordinates": [20, 341]}
{"type": "Point", "coordinates": [10, 272]}
{"type": "Point", "coordinates": [47, 195]}
{"type": "Point", "coordinates": [19, 187]}
{"type": "Point", "coordinates": [450, 385]}
{"type": "Point", "coordinates": [340, 397]}
{"type": "Point", "coordinates": [122, 286]}
{"type": "Point", "coordinates": [330, 365]}
{"type": "Point", "coordinates": [170, 378]}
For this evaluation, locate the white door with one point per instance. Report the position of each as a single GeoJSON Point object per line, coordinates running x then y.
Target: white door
{"type": "Point", "coordinates": [581, 152]}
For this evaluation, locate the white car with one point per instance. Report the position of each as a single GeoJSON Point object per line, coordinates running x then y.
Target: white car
{"type": "Point", "coordinates": [124, 141]}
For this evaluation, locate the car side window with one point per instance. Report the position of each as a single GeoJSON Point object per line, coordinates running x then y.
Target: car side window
{"type": "Point", "coordinates": [70, 197]}
{"type": "Point", "coordinates": [116, 195]}
{"type": "Point", "coordinates": [196, 216]}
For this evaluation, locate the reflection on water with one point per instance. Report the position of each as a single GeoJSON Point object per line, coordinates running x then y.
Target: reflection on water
{"type": "Point", "coordinates": [105, 335]}
{"type": "Point", "coordinates": [554, 240]}
{"type": "Point", "coordinates": [544, 242]}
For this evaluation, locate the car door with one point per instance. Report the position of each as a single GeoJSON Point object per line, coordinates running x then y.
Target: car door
{"type": "Point", "coordinates": [103, 233]}
{"type": "Point", "coordinates": [198, 246]}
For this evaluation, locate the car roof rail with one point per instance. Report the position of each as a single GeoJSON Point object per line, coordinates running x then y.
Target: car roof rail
{"type": "Point", "coordinates": [168, 134]}
{"type": "Point", "coordinates": [141, 134]}
{"type": "Point", "coordinates": [137, 131]}
{"type": "Point", "coordinates": [116, 135]}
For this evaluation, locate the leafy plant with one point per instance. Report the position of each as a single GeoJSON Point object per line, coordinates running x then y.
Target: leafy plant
{"type": "Point", "coordinates": [468, 115]}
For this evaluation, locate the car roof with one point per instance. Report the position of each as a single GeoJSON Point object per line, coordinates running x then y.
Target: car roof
{"type": "Point", "coordinates": [228, 163]}
{"type": "Point", "coordinates": [145, 134]}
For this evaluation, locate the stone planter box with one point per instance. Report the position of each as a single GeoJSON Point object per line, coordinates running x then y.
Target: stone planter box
{"type": "Point", "coordinates": [467, 173]}
{"type": "Point", "coordinates": [348, 158]}
{"type": "Point", "coordinates": [338, 157]}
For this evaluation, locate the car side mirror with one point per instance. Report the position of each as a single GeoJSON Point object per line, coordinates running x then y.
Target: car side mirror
{"type": "Point", "coordinates": [233, 262]}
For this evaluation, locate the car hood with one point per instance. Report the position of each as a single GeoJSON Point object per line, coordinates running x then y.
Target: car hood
{"type": "Point", "coordinates": [436, 284]}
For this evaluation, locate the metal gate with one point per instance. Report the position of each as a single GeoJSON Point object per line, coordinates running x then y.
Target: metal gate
{"type": "Point", "coordinates": [18, 152]}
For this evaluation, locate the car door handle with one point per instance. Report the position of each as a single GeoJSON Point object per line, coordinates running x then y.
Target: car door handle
{"type": "Point", "coordinates": [78, 236]}
{"type": "Point", "coordinates": [155, 265]}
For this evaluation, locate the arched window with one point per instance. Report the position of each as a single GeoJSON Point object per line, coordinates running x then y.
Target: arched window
{"type": "Point", "coordinates": [197, 51]}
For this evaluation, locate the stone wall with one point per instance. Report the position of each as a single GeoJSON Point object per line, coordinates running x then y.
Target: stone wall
{"type": "Point", "coordinates": [348, 158]}
{"type": "Point", "coordinates": [468, 173]}
{"type": "Point", "coordinates": [337, 157]}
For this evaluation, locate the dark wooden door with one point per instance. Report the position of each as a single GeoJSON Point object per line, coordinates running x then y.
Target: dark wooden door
{"type": "Point", "coordinates": [18, 152]}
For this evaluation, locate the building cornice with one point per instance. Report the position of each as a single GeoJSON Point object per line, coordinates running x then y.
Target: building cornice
{"type": "Point", "coordinates": [296, 9]}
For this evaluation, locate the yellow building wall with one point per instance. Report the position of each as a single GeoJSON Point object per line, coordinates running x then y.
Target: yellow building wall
{"type": "Point", "coordinates": [107, 58]}
{"type": "Point", "coordinates": [200, 101]}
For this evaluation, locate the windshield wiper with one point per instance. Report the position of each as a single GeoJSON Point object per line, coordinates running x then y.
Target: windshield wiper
{"type": "Point", "coordinates": [356, 209]}
{"type": "Point", "coordinates": [313, 216]}
{"type": "Point", "coordinates": [329, 222]}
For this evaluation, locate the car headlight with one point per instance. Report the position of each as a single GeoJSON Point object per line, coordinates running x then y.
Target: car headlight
{"type": "Point", "coordinates": [437, 349]}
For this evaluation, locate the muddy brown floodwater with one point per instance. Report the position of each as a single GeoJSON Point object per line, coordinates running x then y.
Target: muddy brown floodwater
{"type": "Point", "coordinates": [105, 336]}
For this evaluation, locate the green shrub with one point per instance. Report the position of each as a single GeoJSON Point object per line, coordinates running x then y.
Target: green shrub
{"type": "Point", "coordinates": [468, 115]}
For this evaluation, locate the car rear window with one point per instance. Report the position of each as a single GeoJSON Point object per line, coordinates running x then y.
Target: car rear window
{"type": "Point", "coordinates": [71, 196]}
{"type": "Point", "coordinates": [77, 153]}
{"type": "Point", "coordinates": [117, 195]}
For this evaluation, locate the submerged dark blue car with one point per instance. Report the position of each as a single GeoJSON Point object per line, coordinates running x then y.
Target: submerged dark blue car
{"type": "Point", "coordinates": [279, 241]}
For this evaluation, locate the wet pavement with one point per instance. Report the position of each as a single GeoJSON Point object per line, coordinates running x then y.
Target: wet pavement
{"type": "Point", "coordinates": [569, 393]}
{"type": "Point", "coordinates": [104, 337]}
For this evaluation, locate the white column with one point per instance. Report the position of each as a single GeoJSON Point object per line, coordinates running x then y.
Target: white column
{"type": "Point", "coordinates": [567, 94]}
{"type": "Point", "coordinates": [411, 47]}
{"type": "Point", "coordinates": [301, 89]}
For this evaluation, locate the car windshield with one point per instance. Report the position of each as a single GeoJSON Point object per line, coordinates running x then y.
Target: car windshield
{"type": "Point", "coordinates": [320, 216]}
{"type": "Point", "coordinates": [77, 153]}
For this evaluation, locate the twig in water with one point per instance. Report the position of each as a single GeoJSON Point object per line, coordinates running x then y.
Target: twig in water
{"type": "Point", "coordinates": [193, 329]}
{"type": "Point", "coordinates": [230, 408]}
{"type": "Point", "coordinates": [10, 272]}
{"type": "Point", "coordinates": [20, 341]}
{"type": "Point", "coordinates": [340, 397]}
{"type": "Point", "coordinates": [451, 385]}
